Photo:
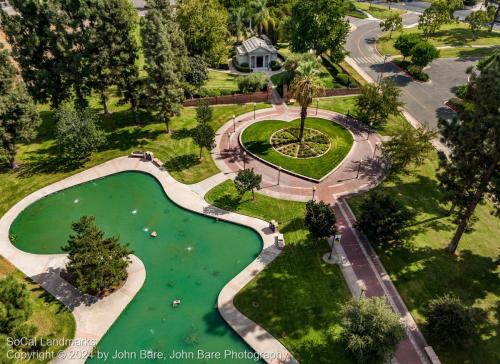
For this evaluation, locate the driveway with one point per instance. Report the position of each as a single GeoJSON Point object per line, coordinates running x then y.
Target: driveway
{"type": "Point", "coordinates": [425, 101]}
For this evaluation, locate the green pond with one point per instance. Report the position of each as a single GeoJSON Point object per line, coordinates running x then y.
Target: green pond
{"type": "Point", "coordinates": [192, 259]}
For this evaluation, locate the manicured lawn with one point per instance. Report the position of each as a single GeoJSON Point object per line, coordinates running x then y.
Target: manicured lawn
{"type": "Point", "coordinates": [466, 52]}
{"type": "Point", "coordinates": [221, 81]}
{"type": "Point", "coordinates": [256, 140]}
{"type": "Point", "coordinates": [50, 316]}
{"type": "Point", "coordinates": [422, 270]}
{"type": "Point", "coordinates": [453, 35]}
{"type": "Point", "coordinates": [297, 298]}
{"type": "Point", "coordinates": [347, 105]}
{"type": "Point", "coordinates": [379, 12]}
{"type": "Point", "coordinates": [40, 166]}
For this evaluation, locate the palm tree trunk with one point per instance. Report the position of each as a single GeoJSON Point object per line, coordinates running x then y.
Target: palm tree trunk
{"type": "Point", "coordinates": [452, 248]}
{"type": "Point", "coordinates": [303, 115]}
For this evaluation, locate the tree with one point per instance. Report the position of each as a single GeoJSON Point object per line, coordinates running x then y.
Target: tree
{"type": "Point", "coordinates": [371, 329]}
{"type": "Point", "coordinates": [471, 170]}
{"type": "Point", "coordinates": [318, 25]}
{"type": "Point", "coordinates": [376, 103]}
{"type": "Point", "coordinates": [493, 10]}
{"type": "Point", "coordinates": [393, 23]}
{"type": "Point", "coordinates": [96, 264]}
{"type": "Point", "coordinates": [406, 42]}
{"type": "Point", "coordinates": [408, 147]}
{"type": "Point", "coordinates": [204, 112]}
{"type": "Point", "coordinates": [476, 21]}
{"type": "Point", "coordinates": [165, 62]}
{"type": "Point", "coordinates": [19, 117]}
{"type": "Point", "coordinates": [112, 49]}
{"type": "Point", "coordinates": [15, 309]}
{"type": "Point", "coordinates": [236, 22]}
{"type": "Point", "coordinates": [48, 42]}
{"type": "Point", "coordinates": [260, 14]}
{"type": "Point", "coordinates": [449, 321]}
{"type": "Point", "coordinates": [439, 13]}
{"type": "Point", "coordinates": [197, 73]}
{"type": "Point", "coordinates": [247, 180]}
{"type": "Point", "coordinates": [293, 60]}
{"type": "Point", "coordinates": [382, 218]}
{"type": "Point", "coordinates": [77, 133]}
{"type": "Point", "coordinates": [204, 137]}
{"type": "Point", "coordinates": [320, 219]}
{"type": "Point", "coordinates": [305, 87]}
{"type": "Point", "coordinates": [423, 53]}
{"type": "Point", "coordinates": [205, 25]}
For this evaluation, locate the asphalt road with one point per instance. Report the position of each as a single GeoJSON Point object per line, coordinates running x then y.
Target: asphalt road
{"type": "Point", "coordinates": [425, 101]}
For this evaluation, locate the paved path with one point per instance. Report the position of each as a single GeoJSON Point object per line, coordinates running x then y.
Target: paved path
{"type": "Point", "coordinates": [362, 262]}
{"type": "Point", "coordinates": [94, 317]}
{"type": "Point", "coordinates": [424, 101]}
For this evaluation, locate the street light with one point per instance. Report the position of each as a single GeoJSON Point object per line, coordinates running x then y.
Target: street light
{"type": "Point", "coordinates": [314, 191]}
{"type": "Point", "coordinates": [317, 105]}
{"type": "Point", "coordinates": [244, 160]}
{"type": "Point", "coordinates": [234, 123]}
{"type": "Point", "coordinates": [359, 168]}
{"type": "Point", "coordinates": [362, 287]}
{"type": "Point", "coordinates": [254, 106]}
{"type": "Point", "coordinates": [229, 141]}
{"type": "Point", "coordinates": [377, 144]}
{"type": "Point", "coordinates": [279, 175]}
{"type": "Point", "coordinates": [335, 240]}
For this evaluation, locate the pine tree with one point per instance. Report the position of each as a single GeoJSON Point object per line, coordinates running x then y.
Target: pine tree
{"type": "Point", "coordinates": [165, 62]}
{"type": "Point", "coordinates": [96, 264]}
{"type": "Point", "coordinates": [472, 169]}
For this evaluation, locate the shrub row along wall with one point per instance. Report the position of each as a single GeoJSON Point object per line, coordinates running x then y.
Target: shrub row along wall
{"type": "Point", "coordinates": [262, 96]}
{"type": "Point", "coordinates": [328, 92]}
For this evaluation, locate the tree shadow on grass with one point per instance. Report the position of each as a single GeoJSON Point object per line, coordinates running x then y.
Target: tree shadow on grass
{"type": "Point", "coordinates": [124, 139]}
{"type": "Point", "coordinates": [228, 202]}
{"type": "Point", "coordinates": [46, 161]}
{"type": "Point", "coordinates": [181, 134]}
{"type": "Point", "coordinates": [258, 147]}
{"type": "Point", "coordinates": [182, 162]}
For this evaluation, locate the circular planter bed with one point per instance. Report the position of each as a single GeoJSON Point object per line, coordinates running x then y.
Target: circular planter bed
{"type": "Point", "coordinates": [325, 145]}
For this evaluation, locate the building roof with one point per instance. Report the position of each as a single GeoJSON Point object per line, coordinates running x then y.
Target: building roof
{"type": "Point", "coordinates": [253, 44]}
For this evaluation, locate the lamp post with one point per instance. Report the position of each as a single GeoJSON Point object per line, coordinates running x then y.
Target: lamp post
{"type": "Point", "coordinates": [314, 192]}
{"type": "Point", "coordinates": [359, 168]}
{"type": "Point", "coordinates": [362, 288]}
{"type": "Point", "coordinates": [244, 160]}
{"type": "Point", "coordinates": [234, 123]}
{"type": "Point", "coordinates": [254, 106]}
{"type": "Point", "coordinates": [229, 142]}
{"type": "Point", "coordinates": [335, 240]}
{"type": "Point", "coordinates": [279, 175]}
{"type": "Point", "coordinates": [377, 145]}
{"type": "Point", "coordinates": [383, 68]}
{"type": "Point", "coordinates": [317, 105]}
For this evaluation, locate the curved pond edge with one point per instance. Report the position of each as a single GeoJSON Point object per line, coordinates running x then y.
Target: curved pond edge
{"type": "Point", "coordinates": [95, 316]}
{"type": "Point", "coordinates": [318, 116]}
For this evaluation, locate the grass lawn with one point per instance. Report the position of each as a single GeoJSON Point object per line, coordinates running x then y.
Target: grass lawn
{"type": "Point", "coordinates": [297, 298]}
{"type": "Point", "coordinates": [40, 166]}
{"type": "Point", "coordinates": [50, 316]}
{"type": "Point", "coordinates": [379, 12]}
{"type": "Point", "coordinates": [256, 140]}
{"type": "Point", "coordinates": [225, 82]}
{"type": "Point", "coordinates": [421, 269]}
{"type": "Point", "coordinates": [347, 105]}
{"type": "Point", "coordinates": [457, 35]}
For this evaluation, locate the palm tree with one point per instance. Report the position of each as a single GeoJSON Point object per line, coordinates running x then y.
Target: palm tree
{"type": "Point", "coordinates": [237, 22]}
{"type": "Point", "coordinates": [261, 14]}
{"type": "Point", "coordinates": [306, 85]}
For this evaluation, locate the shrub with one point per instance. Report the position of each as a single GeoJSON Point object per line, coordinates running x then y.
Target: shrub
{"type": "Point", "coordinates": [449, 321]}
{"type": "Point", "coordinates": [343, 79]}
{"type": "Point", "coordinates": [382, 218]}
{"type": "Point", "coordinates": [275, 66]}
{"type": "Point", "coordinates": [252, 83]}
{"type": "Point", "coordinates": [461, 91]}
{"type": "Point", "coordinates": [243, 67]}
{"type": "Point", "coordinates": [423, 53]}
{"type": "Point", "coordinates": [320, 219]}
{"type": "Point", "coordinates": [371, 330]}
{"type": "Point", "coordinates": [198, 71]}
{"type": "Point", "coordinates": [417, 73]}
{"type": "Point", "coordinates": [406, 42]}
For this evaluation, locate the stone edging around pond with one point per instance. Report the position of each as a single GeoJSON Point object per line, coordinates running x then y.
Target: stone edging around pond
{"type": "Point", "coordinates": [95, 316]}
{"type": "Point", "coordinates": [311, 179]}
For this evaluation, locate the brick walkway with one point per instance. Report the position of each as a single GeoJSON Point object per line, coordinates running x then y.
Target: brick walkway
{"type": "Point", "coordinates": [333, 189]}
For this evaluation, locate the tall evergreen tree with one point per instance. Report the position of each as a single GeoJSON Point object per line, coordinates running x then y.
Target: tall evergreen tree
{"type": "Point", "coordinates": [165, 62]}
{"type": "Point", "coordinates": [18, 115]}
{"type": "Point", "coordinates": [95, 264]}
{"type": "Point", "coordinates": [112, 49]}
{"type": "Point", "coordinates": [472, 169]}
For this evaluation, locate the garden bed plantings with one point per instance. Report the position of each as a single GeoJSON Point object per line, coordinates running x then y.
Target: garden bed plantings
{"type": "Point", "coordinates": [325, 145]}
{"type": "Point", "coordinates": [286, 141]}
